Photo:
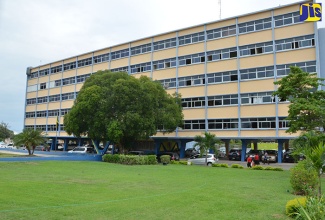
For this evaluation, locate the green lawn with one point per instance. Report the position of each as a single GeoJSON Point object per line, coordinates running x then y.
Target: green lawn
{"type": "Point", "coordinates": [98, 190]}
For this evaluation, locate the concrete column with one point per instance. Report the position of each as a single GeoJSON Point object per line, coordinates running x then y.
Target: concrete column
{"type": "Point", "coordinates": [227, 145]}
{"type": "Point", "coordinates": [53, 144]}
{"type": "Point", "coordinates": [280, 148]}
{"type": "Point", "coordinates": [66, 142]}
{"type": "Point", "coordinates": [243, 150]}
{"type": "Point", "coordinates": [182, 146]}
{"type": "Point", "coordinates": [255, 145]}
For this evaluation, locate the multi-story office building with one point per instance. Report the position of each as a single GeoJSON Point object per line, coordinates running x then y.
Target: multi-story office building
{"type": "Point", "coordinates": [224, 71]}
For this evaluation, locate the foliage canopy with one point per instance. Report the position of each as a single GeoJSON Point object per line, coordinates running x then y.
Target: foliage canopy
{"type": "Point", "coordinates": [30, 138]}
{"type": "Point", "coordinates": [5, 132]}
{"type": "Point", "coordinates": [121, 108]}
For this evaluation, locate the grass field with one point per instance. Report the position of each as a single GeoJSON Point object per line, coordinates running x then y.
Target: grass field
{"type": "Point", "coordinates": [96, 190]}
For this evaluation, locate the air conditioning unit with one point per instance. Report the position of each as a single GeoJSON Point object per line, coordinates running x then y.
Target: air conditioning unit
{"type": "Point", "coordinates": [28, 71]}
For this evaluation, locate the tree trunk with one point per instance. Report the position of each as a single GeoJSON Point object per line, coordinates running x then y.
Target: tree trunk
{"type": "Point", "coordinates": [29, 152]}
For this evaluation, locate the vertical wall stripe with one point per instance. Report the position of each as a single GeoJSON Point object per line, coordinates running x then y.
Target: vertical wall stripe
{"type": "Point", "coordinates": [109, 58]}
{"type": "Point", "coordinates": [205, 80]}
{"type": "Point", "coordinates": [177, 72]}
{"type": "Point", "coordinates": [48, 94]}
{"type": "Point", "coordinates": [238, 78]}
{"type": "Point", "coordinates": [151, 59]}
{"type": "Point", "coordinates": [24, 124]}
{"type": "Point", "coordinates": [129, 67]}
{"type": "Point", "coordinates": [38, 70]}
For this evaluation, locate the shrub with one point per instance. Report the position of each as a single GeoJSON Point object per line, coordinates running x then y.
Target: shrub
{"type": "Point", "coordinates": [269, 168]}
{"type": "Point", "coordinates": [174, 162]}
{"type": "Point", "coordinates": [111, 158]}
{"type": "Point", "coordinates": [130, 159]}
{"type": "Point", "coordinates": [220, 165]}
{"type": "Point", "coordinates": [278, 169]}
{"type": "Point", "coordinates": [258, 167]}
{"type": "Point", "coordinates": [183, 162]}
{"type": "Point", "coordinates": [165, 159]}
{"type": "Point", "coordinates": [293, 206]}
{"type": "Point", "coordinates": [237, 166]}
{"type": "Point", "coordinates": [151, 159]}
{"type": "Point", "coordinates": [314, 209]}
{"type": "Point", "coordinates": [303, 180]}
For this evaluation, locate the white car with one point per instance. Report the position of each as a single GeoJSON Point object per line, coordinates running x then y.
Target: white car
{"type": "Point", "coordinates": [11, 146]}
{"type": "Point", "coordinates": [211, 159]}
{"type": "Point", "coordinates": [82, 150]}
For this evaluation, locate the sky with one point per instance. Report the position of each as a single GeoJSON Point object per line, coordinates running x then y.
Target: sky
{"type": "Point", "coordinates": [37, 32]}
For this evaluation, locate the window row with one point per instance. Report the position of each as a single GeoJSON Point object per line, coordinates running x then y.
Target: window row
{"type": "Point", "coordinates": [257, 25]}
{"type": "Point", "coordinates": [246, 123]}
{"type": "Point", "coordinates": [52, 98]}
{"type": "Point", "coordinates": [49, 113]}
{"type": "Point", "coordinates": [191, 38]}
{"type": "Point", "coordinates": [221, 32]}
{"type": "Point", "coordinates": [45, 127]}
{"type": "Point", "coordinates": [164, 64]}
{"type": "Point", "coordinates": [253, 49]}
{"type": "Point", "coordinates": [140, 49]}
{"type": "Point", "coordinates": [286, 19]}
{"type": "Point", "coordinates": [164, 44]}
{"type": "Point", "coordinates": [294, 43]}
{"type": "Point", "coordinates": [143, 67]}
{"type": "Point", "coordinates": [101, 58]}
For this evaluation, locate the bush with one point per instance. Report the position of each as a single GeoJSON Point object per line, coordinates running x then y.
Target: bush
{"type": "Point", "coordinates": [293, 206]}
{"type": "Point", "coordinates": [278, 169]}
{"type": "Point", "coordinates": [151, 159]}
{"type": "Point", "coordinates": [258, 167]}
{"type": "Point", "coordinates": [269, 168]}
{"type": "Point", "coordinates": [111, 158]}
{"type": "Point", "coordinates": [181, 162]}
{"type": "Point", "coordinates": [237, 166]}
{"type": "Point", "coordinates": [165, 159]}
{"type": "Point", "coordinates": [220, 165]}
{"type": "Point", "coordinates": [303, 180]}
{"type": "Point", "coordinates": [174, 162]}
{"type": "Point", "coordinates": [130, 159]}
{"type": "Point", "coordinates": [313, 209]}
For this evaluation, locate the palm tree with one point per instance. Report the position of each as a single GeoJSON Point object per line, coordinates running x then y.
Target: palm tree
{"type": "Point", "coordinates": [206, 143]}
{"type": "Point", "coordinates": [30, 139]}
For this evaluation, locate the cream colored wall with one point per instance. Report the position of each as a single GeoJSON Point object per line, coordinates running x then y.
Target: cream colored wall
{"type": "Point", "coordinates": [194, 69]}
{"type": "Point", "coordinates": [69, 73]}
{"type": "Point", "coordinates": [45, 67]}
{"type": "Point", "coordinates": [191, 49]}
{"type": "Point", "coordinates": [263, 110]}
{"type": "Point", "coordinates": [191, 31]}
{"type": "Point", "coordinates": [222, 65]}
{"type": "Point", "coordinates": [142, 58]}
{"type": "Point", "coordinates": [164, 36]}
{"type": "Point", "coordinates": [194, 113]}
{"type": "Point", "coordinates": [193, 91]}
{"type": "Point", "coordinates": [258, 133]}
{"type": "Point", "coordinates": [31, 95]}
{"type": "Point", "coordinates": [43, 79]}
{"type": "Point", "coordinates": [56, 63]}
{"type": "Point", "coordinates": [164, 54]}
{"type": "Point", "coordinates": [137, 75]}
{"type": "Point", "coordinates": [85, 56]}
{"type": "Point", "coordinates": [42, 93]}
{"type": "Point", "coordinates": [282, 133]}
{"type": "Point", "coordinates": [84, 70]}
{"type": "Point", "coordinates": [67, 89]}
{"type": "Point", "coordinates": [119, 63]}
{"type": "Point", "coordinates": [32, 82]}
{"type": "Point", "coordinates": [255, 37]}
{"type": "Point", "coordinates": [29, 121]}
{"type": "Point", "coordinates": [55, 76]}
{"type": "Point", "coordinates": [257, 86]}
{"type": "Point", "coordinates": [171, 91]}
{"type": "Point", "coordinates": [286, 10]}
{"type": "Point", "coordinates": [101, 66]}
{"type": "Point", "coordinates": [141, 42]}
{"type": "Point", "coordinates": [223, 112]}
{"type": "Point", "coordinates": [164, 74]}
{"type": "Point", "coordinates": [220, 24]}
{"type": "Point", "coordinates": [78, 87]}
{"type": "Point", "coordinates": [225, 133]}
{"type": "Point", "coordinates": [40, 121]}
{"type": "Point", "coordinates": [55, 91]}
{"type": "Point", "coordinates": [54, 105]}
{"type": "Point", "coordinates": [67, 104]}
{"type": "Point", "coordinates": [221, 43]}
{"type": "Point", "coordinates": [73, 59]}
{"type": "Point", "coordinates": [121, 47]}
{"type": "Point", "coordinates": [222, 89]}
{"type": "Point", "coordinates": [30, 108]}
{"type": "Point", "coordinates": [283, 109]}
{"type": "Point", "coordinates": [302, 29]}
{"type": "Point", "coordinates": [256, 61]}
{"type": "Point", "coordinates": [295, 56]}
{"type": "Point", "coordinates": [41, 107]}
{"type": "Point", "coordinates": [183, 133]}
{"type": "Point", "coordinates": [254, 17]}
{"type": "Point", "coordinates": [160, 134]}
{"type": "Point", "coordinates": [100, 52]}
{"type": "Point", "coordinates": [52, 120]}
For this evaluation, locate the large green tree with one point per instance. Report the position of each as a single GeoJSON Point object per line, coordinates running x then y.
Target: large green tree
{"type": "Point", "coordinates": [205, 143]}
{"type": "Point", "coordinates": [121, 108]}
{"type": "Point", "coordinates": [307, 108]}
{"type": "Point", "coordinates": [5, 132]}
{"type": "Point", "coordinates": [30, 138]}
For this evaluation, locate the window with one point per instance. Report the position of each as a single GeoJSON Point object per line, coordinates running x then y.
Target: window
{"type": "Point", "coordinates": [194, 125]}
{"type": "Point", "coordinates": [191, 81]}
{"type": "Point", "coordinates": [191, 38]}
{"type": "Point", "coordinates": [29, 127]}
{"type": "Point", "coordinates": [121, 69]}
{"type": "Point", "coordinates": [101, 58]}
{"type": "Point", "coordinates": [65, 111]}
{"type": "Point", "coordinates": [42, 86]}
{"type": "Point", "coordinates": [257, 98]}
{"type": "Point", "coordinates": [69, 66]}
{"type": "Point", "coordinates": [168, 83]}
{"type": "Point", "coordinates": [32, 88]}
{"type": "Point", "coordinates": [221, 32]}
{"type": "Point", "coordinates": [41, 114]}
{"type": "Point", "coordinates": [222, 100]}
{"type": "Point", "coordinates": [30, 115]}
{"type": "Point", "coordinates": [223, 124]}
{"type": "Point", "coordinates": [68, 81]}
{"type": "Point", "coordinates": [163, 64]}
{"type": "Point", "coordinates": [82, 78]}
{"type": "Point", "coordinates": [56, 69]}
{"type": "Point", "coordinates": [258, 123]}
{"type": "Point", "coordinates": [44, 72]}
{"type": "Point", "coordinates": [257, 73]}
{"type": "Point", "coordinates": [197, 102]}
{"type": "Point", "coordinates": [191, 59]}
{"type": "Point", "coordinates": [54, 98]}
{"type": "Point", "coordinates": [33, 75]}
{"type": "Point", "coordinates": [164, 44]}
{"type": "Point", "coordinates": [42, 99]}
{"type": "Point", "coordinates": [222, 54]}
{"type": "Point", "coordinates": [294, 43]}
{"type": "Point", "coordinates": [143, 67]}
{"type": "Point", "coordinates": [286, 19]}
{"type": "Point", "coordinates": [253, 49]}
{"type": "Point", "coordinates": [40, 127]}
{"type": "Point", "coordinates": [222, 77]}
{"type": "Point", "coordinates": [51, 128]}
{"type": "Point", "coordinates": [52, 113]}
{"type": "Point", "coordinates": [255, 25]}
{"type": "Point", "coordinates": [67, 96]}
{"type": "Point", "coordinates": [140, 49]}
{"type": "Point", "coordinates": [85, 62]}
{"type": "Point", "coordinates": [309, 67]}
{"type": "Point", "coordinates": [120, 54]}
{"type": "Point", "coordinates": [31, 101]}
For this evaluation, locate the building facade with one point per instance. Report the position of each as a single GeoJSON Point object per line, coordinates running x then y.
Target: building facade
{"type": "Point", "coordinates": [224, 71]}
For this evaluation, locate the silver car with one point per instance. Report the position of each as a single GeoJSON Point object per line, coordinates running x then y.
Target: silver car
{"type": "Point", "coordinates": [200, 160]}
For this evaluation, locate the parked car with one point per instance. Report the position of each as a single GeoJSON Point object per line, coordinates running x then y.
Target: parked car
{"type": "Point", "coordinates": [136, 152]}
{"type": "Point", "coordinates": [234, 154]}
{"type": "Point", "coordinates": [252, 153]}
{"type": "Point", "coordinates": [272, 155]}
{"type": "Point", "coordinates": [11, 146]}
{"type": "Point", "coordinates": [200, 160]}
{"type": "Point", "coordinates": [82, 150]}
{"type": "Point", "coordinates": [173, 155]}
{"type": "Point", "coordinates": [189, 152]}
{"type": "Point", "coordinates": [39, 148]}
{"type": "Point", "coordinates": [290, 157]}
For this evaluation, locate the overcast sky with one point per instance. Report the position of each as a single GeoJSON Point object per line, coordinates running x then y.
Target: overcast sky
{"type": "Point", "coordinates": [34, 32]}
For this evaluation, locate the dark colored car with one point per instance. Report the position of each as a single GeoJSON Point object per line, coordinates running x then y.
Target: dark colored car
{"type": "Point", "coordinates": [173, 155]}
{"type": "Point", "coordinates": [234, 154]}
{"type": "Point", "coordinates": [136, 152]}
{"type": "Point", "coordinates": [252, 153]}
{"type": "Point", "coordinates": [290, 157]}
{"type": "Point", "coordinates": [189, 152]}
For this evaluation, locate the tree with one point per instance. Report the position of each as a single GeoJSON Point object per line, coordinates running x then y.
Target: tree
{"type": "Point", "coordinates": [206, 143]}
{"type": "Point", "coordinates": [30, 139]}
{"type": "Point", "coordinates": [121, 108]}
{"type": "Point", "coordinates": [5, 132]}
{"type": "Point", "coordinates": [307, 108]}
